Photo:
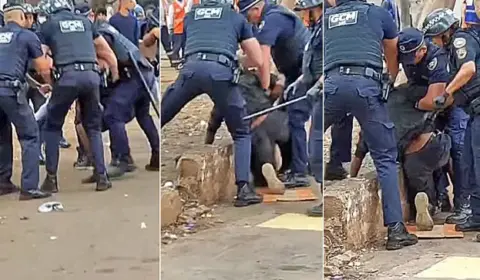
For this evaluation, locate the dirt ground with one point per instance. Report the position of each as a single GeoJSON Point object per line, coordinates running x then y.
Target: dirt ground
{"type": "Point", "coordinates": [98, 236]}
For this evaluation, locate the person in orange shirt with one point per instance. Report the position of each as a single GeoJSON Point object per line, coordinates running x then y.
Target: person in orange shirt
{"type": "Point", "coordinates": [176, 15]}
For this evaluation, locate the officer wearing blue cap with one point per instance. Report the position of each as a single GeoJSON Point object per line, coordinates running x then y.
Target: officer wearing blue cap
{"type": "Point", "coordinates": [17, 46]}
{"type": "Point", "coordinates": [356, 34]}
{"type": "Point", "coordinates": [280, 32]}
{"type": "Point", "coordinates": [426, 68]}
{"type": "Point", "coordinates": [75, 44]}
{"type": "Point", "coordinates": [464, 91]}
{"type": "Point", "coordinates": [214, 29]}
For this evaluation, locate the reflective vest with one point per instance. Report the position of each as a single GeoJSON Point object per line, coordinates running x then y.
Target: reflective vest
{"type": "Point", "coordinates": [470, 14]}
{"type": "Point", "coordinates": [178, 17]}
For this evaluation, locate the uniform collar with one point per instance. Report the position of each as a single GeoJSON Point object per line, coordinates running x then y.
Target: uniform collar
{"type": "Point", "coordinates": [13, 24]}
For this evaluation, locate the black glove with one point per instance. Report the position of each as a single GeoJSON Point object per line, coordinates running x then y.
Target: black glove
{"type": "Point", "coordinates": [440, 101]}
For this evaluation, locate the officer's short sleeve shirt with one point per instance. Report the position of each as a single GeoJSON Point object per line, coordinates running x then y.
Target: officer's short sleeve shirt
{"type": "Point", "coordinates": [437, 69]}
{"type": "Point", "coordinates": [243, 28]}
{"type": "Point", "coordinates": [273, 27]}
{"type": "Point", "coordinates": [465, 49]}
{"type": "Point", "coordinates": [34, 46]}
{"type": "Point", "coordinates": [387, 27]}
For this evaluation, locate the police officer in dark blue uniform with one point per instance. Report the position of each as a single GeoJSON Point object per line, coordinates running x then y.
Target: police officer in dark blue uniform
{"type": "Point", "coordinates": [214, 31]}
{"type": "Point", "coordinates": [73, 42]}
{"type": "Point", "coordinates": [463, 91]}
{"type": "Point", "coordinates": [126, 96]}
{"type": "Point", "coordinates": [312, 69]}
{"type": "Point", "coordinates": [17, 47]}
{"type": "Point", "coordinates": [426, 67]}
{"type": "Point", "coordinates": [281, 32]}
{"type": "Point", "coordinates": [355, 35]}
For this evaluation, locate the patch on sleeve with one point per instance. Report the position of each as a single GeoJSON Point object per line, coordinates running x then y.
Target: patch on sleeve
{"type": "Point", "coordinates": [343, 19]}
{"type": "Point", "coordinates": [208, 13]}
{"type": "Point", "coordinates": [70, 26]}
{"type": "Point", "coordinates": [6, 37]}
{"type": "Point", "coordinates": [432, 64]}
{"type": "Point", "coordinates": [459, 43]}
{"type": "Point", "coordinates": [461, 53]}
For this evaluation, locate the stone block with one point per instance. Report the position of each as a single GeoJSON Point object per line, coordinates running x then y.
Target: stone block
{"type": "Point", "coordinates": [170, 206]}
{"type": "Point", "coordinates": [353, 211]}
{"type": "Point", "coordinates": [208, 175]}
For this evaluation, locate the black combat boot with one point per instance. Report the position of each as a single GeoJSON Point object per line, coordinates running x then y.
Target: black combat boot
{"type": "Point", "coordinates": [460, 215]}
{"type": "Point", "coordinates": [50, 184]}
{"type": "Point", "coordinates": [471, 224]}
{"type": "Point", "coordinates": [117, 168]}
{"type": "Point", "coordinates": [8, 187]}
{"type": "Point", "coordinates": [131, 166]}
{"type": "Point", "coordinates": [316, 211]}
{"type": "Point", "coordinates": [333, 173]}
{"type": "Point", "coordinates": [33, 194]}
{"type": "Point", "coordinates": [154, 164]}
{"type": "Point", "coordinates": [296, 181]}
{"type": "Point", "coordinates": [83, 162]}
{"type": "Point", "coordinates": [246, 195]}
{"type": "Point", "coordinates": [103, 183]}
{"type": "Point", "coordinates": [209, 137]}
{"type": "Point", "coordinates": [398, 237]}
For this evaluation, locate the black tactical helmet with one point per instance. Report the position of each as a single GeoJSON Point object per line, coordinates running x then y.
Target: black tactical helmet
{"type": "Point", "coordinates": [307, 4]}
{"type": "Point", "coordinates": [28, 8]}
{"type": "Point", "coordinates": [439, 21]}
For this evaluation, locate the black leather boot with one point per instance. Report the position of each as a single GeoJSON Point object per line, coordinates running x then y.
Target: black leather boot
{"type": "Point", "coordinates": [471, 224]}
{"type": "Point", "coordinates": [333, 173]}
{"type": "Point", "coordinates": [398, 237]}
{"type": "Point", "coordinates": [460, 215]}
{"type": "Point", "coordinates": [50, 184]}
{"type": "Point", "coordinates": [154, 164]}
{"type": "Point", "coordinates": [103, 183]}
{"type": "Point", "coordinates": [296, 181]}
{"type": "Point", "coordinates": [246, 195]}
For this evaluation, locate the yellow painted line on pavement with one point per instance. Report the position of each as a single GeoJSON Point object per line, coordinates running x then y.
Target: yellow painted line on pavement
{"type": "Point", "coordinates": [294, 221]}
{"type": "Point", "coordinates": [453, 268]}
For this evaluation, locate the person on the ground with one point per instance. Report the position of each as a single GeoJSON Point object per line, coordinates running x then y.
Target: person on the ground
{"type": "Point", "coordinates": [280, 31]}
{"type": "Point", "coordinates": [312, 78]}
{"type": "Point", "coordinates": [463, 90]}
{"type": "Point", "coordinates": [74, 44]}
{"type": "Point", "coordinates": [18, 46]}
{"type": "Point", "coordinates": [267, 130]}
{"type": "Point", "coordinates": [357, 34]}
{"type": "Point", "coordinates": [125, 22]}
{"type": "Point", "coordinates": [214, 31]}
{"type": "Point", "coordinates": [175, 22]}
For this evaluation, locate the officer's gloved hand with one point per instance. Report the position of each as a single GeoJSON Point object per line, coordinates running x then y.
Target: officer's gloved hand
{"type": "Point", "coordinates": [292, 88]}
{"type": "Point", "coordinates": [315, 92]}
{"type": "Point", "coordinates": [440, 101]}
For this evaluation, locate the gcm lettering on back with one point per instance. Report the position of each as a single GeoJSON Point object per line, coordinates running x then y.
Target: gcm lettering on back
{"type": "Point", "coordinates": [209, 12]}
{"type": "Point", "coordinates": [343, 17]}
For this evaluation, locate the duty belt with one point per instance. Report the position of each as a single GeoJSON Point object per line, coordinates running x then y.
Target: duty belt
{"type": "Point", "coordinates": [220, 58]}
{"type": "Point", "coordinates": [11, 84]}
{"type": "Point", "coordinates": [359, 71]}
{"type": "Point", "coordinates": [78, 67]}
{"type": "Point", "coordinates": [474, 107]}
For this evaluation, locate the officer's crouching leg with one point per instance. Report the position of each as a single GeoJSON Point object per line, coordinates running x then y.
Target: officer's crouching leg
{"type": "Point", "coordinates": [316, 156]}
{"type": "Point", "coordinates": [6, 156]}
{"type": "Point", "coordinates": [234, 111]}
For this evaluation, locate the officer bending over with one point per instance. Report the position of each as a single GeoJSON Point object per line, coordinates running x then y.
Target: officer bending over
{"type": "Point", "coordinates": [128, 95]}
{"type": "Point", "coordinates": [214, 30]}
{"type": "Point", "coordinates": [463, 90]}
{"type": "Point", "coordinates": [17, 46]}
{"type": "Point", "coordinates": [281, 32]}
{"type": "Point", "coordinates": [73, 42]}
{"type": "Point", "coordinates": [356, 33]}
{"type": "Point", "coordinates": [457, 120]}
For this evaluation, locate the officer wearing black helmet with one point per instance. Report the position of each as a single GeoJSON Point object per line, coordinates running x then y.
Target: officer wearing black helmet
{"type": "Point", "coordinates": [214, 29]}
{"type": "Point", "coordinates": [464, 91]}
{"type": "Point", "coordinates": [356, 35]}
{"type": "Point", "coordinates": [17, 46]}
{"type": "Point", "coordinates": [74, 44]}
{"type": "Point", "coordinates": [312, 72]}
{"type": "Point", "coordinates": [280, 32]}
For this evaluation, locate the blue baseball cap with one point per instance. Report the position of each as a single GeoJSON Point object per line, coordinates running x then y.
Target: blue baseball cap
{"type": "Point", "coordinates": [245, 5]}
{"type": "Point", "coordinates": [409, 41]}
